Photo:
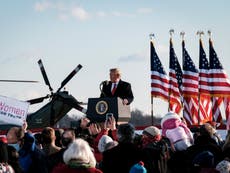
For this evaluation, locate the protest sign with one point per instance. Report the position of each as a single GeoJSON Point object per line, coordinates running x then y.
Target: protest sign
{"type": "Point", "coordinates": [12, 111]}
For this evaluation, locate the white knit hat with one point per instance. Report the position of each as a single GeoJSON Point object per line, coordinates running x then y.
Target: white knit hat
{"type": "Point", "coordinates": [169, 115]}
{"type": "Point", "coordinates": [103, 141]}
{"type": "Point", "coordinates": [152, 131]}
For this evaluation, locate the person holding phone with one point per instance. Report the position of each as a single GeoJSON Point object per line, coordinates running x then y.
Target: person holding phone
{"type": "Point", "coordinates": [117, 87]}
{"type": "Point", "coordinates": [108, 116]}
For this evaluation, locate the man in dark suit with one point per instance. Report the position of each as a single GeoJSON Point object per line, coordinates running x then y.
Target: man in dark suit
{"type": "Point", "coordinates": [117, 88]}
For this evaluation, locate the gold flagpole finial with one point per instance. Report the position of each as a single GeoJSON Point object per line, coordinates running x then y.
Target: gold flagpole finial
{"type": "Point", "coordinates": [200, 33]}
{"type": "Point", "coordinates": [151, 36]}
{"type": "Point", "coordinates": [171, 32]}
{"type": "Point", "coordinates": [209, 33]}
{"type": "Point", "coordinates": [182, 34]}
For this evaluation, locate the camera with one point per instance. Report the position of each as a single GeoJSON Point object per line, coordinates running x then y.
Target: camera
{"type": "Point", "coordinates": [108, 115]}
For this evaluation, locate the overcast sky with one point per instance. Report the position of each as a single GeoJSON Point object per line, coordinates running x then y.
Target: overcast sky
{"type": "Point", "coordinates": [101, 35]}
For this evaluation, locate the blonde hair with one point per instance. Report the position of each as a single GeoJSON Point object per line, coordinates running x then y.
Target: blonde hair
{"type": "Point", "coordinates": [79, 151]}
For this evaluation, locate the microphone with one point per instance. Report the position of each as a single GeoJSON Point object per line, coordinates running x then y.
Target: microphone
{"type": "Point", "coordinates": [104, 82]}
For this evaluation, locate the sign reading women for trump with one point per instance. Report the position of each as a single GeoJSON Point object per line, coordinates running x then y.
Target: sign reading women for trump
{"type": "Point", "coordinates": [12, 111]}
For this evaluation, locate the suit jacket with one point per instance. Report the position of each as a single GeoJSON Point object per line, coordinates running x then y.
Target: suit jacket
{"type": "Point", "coordinates": [123, 91]}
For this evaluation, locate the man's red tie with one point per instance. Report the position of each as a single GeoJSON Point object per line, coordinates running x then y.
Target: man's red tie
{"type": "Point", "coordinates": [114, 89]}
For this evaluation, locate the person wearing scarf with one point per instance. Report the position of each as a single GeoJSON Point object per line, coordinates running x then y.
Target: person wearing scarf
{"type": "Point", "coordinates": [177, 132]}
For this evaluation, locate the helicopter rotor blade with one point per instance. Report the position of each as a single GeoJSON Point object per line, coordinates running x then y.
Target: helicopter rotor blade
{"type": "Point", "coordinates": [71, 101]}
{"type": "Point", "coordinates": [44, 75]}
{"type": "Point", "coordinates": [24, 81]}
{"type": "Point", "coordinates": [67, 79]}
{"type": "Point", "coordinates": [38, 100]}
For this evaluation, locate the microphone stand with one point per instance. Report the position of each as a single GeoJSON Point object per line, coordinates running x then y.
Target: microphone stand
{"type": "Point", "coordinates": [101, 87]}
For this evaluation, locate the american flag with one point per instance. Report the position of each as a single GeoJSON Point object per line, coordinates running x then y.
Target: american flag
{"type": "Point", "coordinates": [219, 82]}
{"type": "Point", "coordinates": [190, 87]}
{"type": "Point", "coordinates": [159, 78]}
{"type": "Point", "coordinates": [175, 81]}
{"type": "Point", "coordinates": [205, 109]}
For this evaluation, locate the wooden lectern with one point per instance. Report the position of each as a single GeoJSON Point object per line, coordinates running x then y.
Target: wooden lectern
{"type": "Point", "coordinates": [99, 107]}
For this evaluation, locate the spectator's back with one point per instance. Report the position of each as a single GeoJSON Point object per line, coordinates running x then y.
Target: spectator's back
{"type": "Point", "coordinates": [123, 156]}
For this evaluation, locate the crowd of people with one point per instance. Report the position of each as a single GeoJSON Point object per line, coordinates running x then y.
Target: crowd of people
{"type": "Point", "coordinates": [108, 148]}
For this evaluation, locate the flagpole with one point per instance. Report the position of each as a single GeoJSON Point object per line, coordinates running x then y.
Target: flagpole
{"type": "Point", "coordinates": [182, 33]}
{"type": "Point", "coordinates": [171, 32]}
{"type": "Point", "coordinates": [209, 34]}
{"type": "Point", "coordinates": [212, 98]}
{"type": "Point", "coordinates": [199, 33]}
{"type": "Point", "coordinates": [210, 38]}
{"type": "Point", "coordinates": [151, 40]}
